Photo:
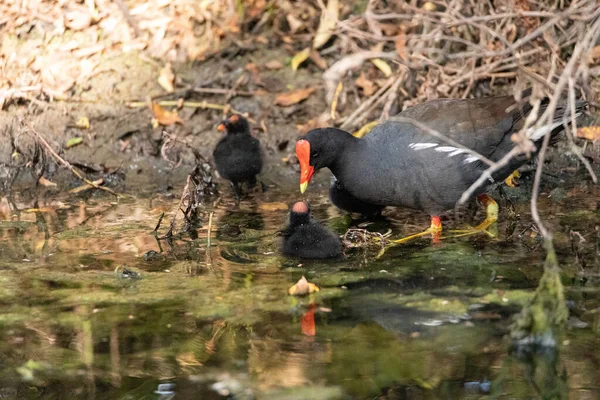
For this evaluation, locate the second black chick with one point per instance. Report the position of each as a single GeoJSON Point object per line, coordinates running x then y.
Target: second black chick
{"type": "Point", "coordinates": [344, 200]}
{"type": "Point", "coordinates": [306, 238]}
{"type": "Point", "coordinates": [238, 156]}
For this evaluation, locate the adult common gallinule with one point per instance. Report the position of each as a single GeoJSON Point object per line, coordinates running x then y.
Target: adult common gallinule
{"type": "Point", "coordinates": [344, 200]}
{"type": "Point", "coordinates": [399, 164]}
{"type": "Point", "coordinates": [306, 238]}
{"type": "Point", "coordinates": [238, 156]}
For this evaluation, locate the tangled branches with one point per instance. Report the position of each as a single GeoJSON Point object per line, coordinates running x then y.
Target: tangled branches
{"type": "Point", "coordinates": [463, 49]}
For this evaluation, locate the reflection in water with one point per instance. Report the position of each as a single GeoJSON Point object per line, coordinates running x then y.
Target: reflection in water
{"type": "Point", "coordinates": [540, 368]}
{"type": "Point", "coordinates": [421, 322]}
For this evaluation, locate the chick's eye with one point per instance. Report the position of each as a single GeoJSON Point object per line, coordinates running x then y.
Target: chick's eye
{"type": "Point", "coordinates": [314, 155]}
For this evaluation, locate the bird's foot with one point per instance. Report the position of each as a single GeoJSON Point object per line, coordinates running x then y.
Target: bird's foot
{"type": "Point", "coordinates": [434, 230]}
{"type": "Point", "coordinates": [491, 208]}
{"type": "Point", "coordinates": [481, 228]}
{"type": "Point", "coordinates": [513, 179]}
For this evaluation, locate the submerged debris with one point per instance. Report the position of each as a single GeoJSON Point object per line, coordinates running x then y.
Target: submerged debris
{"type": "Point", "coordinates": [363, 238]}
{"type": "Point", "coordinates": [124, 273]}
{"type": "Point", "coordinates": [547, 310]}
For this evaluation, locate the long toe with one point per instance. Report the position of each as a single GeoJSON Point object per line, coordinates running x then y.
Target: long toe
{"type": "Point", "coordinates": [484, 227]}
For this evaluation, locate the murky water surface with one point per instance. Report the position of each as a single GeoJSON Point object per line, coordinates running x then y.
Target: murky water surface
{"type": "Point", "coordinates": [94, 307]}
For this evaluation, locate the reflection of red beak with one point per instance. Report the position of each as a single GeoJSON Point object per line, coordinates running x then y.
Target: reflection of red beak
{"type": "Point", "coordinates": [221, 127]}
{"type": "Point", "coordinates": [306, 170]}
{"type": "Point", "coordinates": [308, 321]}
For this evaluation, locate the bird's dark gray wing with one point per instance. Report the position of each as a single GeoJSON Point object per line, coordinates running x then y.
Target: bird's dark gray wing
{"type": "Point", "coordinates": [477, 124]}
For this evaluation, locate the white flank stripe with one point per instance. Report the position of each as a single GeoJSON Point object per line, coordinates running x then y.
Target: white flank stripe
{"type": "Point", "coordinates": [420, 146]}
{"type": "Point", "coordinates": [446, 149]}
{"type": "Point", "coordinates": [537, 134]}
{"type": "Point", "coordinates": [458, 151]}
{"type": "Point", "coordinates": [471, 159]}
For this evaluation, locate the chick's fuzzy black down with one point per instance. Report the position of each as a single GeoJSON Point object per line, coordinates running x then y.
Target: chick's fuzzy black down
{"type": "Point", "coordinates": [306, 238]}
{"type": "Point", "coordinates": [238, 155]}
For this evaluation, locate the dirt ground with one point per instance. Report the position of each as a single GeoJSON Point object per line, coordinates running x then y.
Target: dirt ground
{"type": "Point", "coordinates": [90, 71]}
{"type": "Point", "coordinates": [121, 137]}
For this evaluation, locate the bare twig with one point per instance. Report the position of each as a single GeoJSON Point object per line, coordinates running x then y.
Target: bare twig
{"type": "Point", "coordinates": [193, 104]}
{"type": "Point", "coordinates": [366, 104]}
{"type": "Point", "coordinates": [38, 137]}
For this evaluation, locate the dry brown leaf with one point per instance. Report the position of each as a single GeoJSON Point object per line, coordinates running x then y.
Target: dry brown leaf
{"type": "Point", "coordinates": [274, 64]}
{"type": "Point", "coordinates": [45, 182]}
{"type": "Point", "coordinates": [337, 71]}
{"type": "Point", "coordinates": [589, 132]}
{"type": "Point", "coordinates": [166, 78]}
{"type": "Point", "coordinates": [400, 45]}
{"type": "Point", "coordinates": [595, 53]}
{"type": "Point", "coordinates": [77, 20]}
{"type": "Point", "coordinates": [253, 69]}
{"type": "Point", "coordinates": [275, 206]}
{"type": "Point", "coordinates": [294, 23]}
{"type": "Point", "coordinates": [299, 58]}
{"type": "Point", "coordinates": [293, 97]}
{"type": "Point", "coordinates": [164, 117]}
{"type": "Point", "coordinates": [321, 121]}
{"type": "Point", "coordinates": [318, 60]}
{"type": "Point", "coordinates": [368, 87]}
{"type": "Point", "coordinates": [302, 287]}
{"type": "Point", "coordinates": [329, 19]}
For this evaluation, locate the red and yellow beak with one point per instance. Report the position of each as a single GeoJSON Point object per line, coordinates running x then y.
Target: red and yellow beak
{"type": "Point", "coordinates": [221, 127]}
{"type": "Point", "coordinates": [306, 170]}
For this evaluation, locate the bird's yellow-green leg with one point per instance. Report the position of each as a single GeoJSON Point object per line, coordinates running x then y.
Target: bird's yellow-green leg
{"type": "Point", "coordinates": [512, 179]}
{"type": "Point", "coordinates": [435, 230]}
{"type": "Point", "coordinates": [491, 209]}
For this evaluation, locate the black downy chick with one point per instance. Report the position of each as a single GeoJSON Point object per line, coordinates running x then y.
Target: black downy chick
{"type": "Point", "coordinates": [344, 200]}
{"type": "Point", "coordinates": [304, 237]}
{"type": "Point", "coordinates": [238, 156]}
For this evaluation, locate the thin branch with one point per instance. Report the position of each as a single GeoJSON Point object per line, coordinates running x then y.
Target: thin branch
{"type": "Point", "coordinates": [64, 162]}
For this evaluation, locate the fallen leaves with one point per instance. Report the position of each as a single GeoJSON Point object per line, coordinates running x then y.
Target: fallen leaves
{"type": "Point", "coordinates": [595, 53]}
{"type": "Point", "coordinates": [329, 19]}
{"type": "Point", "coordinates": [273, 65]}
{"type": "Point", "coordinates": [302, 287]}
{"type": "Point", "coordinates": [368, 86]}
{"type": "Point", "coordinates": [382, 66]}
{"type": "Point", "coordinates": [78, 20]}
{"type": "Point", "coordinates": [293, 97]}
{"type": "Point", "coordinates": [83, 123]}
{"type": "Point", "coordinates": [164, 117]}
{"type": "Point", "coordinates": [73, 142]}
{"type": "Point", "coordinates": [400, 46]}
{"type": "Point", "coordinates": [589, 132]}
{"type": "Point", "coordinates": [166, 78]}
{"type": "Point", "coordinates": [299, 58]}
{"type": "Point", "coordinates": [45, 182]}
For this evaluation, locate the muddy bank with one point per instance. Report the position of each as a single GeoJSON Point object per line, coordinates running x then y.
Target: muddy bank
{"type": "Point", "coordinates": [121, 139]}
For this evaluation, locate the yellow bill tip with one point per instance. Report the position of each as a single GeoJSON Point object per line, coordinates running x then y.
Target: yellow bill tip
{"type": "Point", "coordinates": [303, 187]}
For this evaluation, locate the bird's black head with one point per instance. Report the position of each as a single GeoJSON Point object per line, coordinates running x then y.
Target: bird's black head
{"type": "Point", "coordinates": [234, 125]}
{"type": "Point", "coordinates": [300, 214]}
{"type": "Point", "coordinates": [318, 149]}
